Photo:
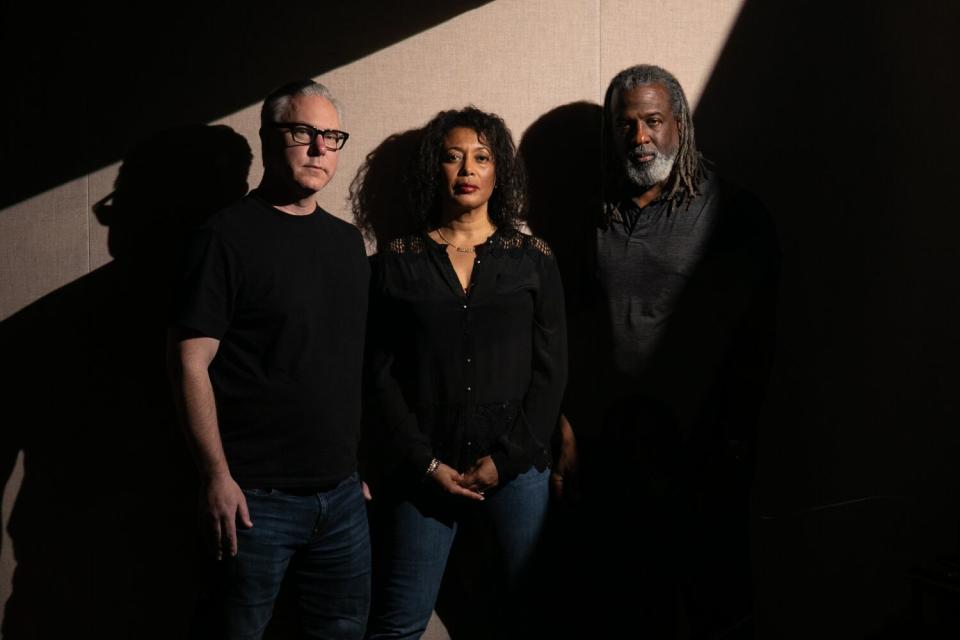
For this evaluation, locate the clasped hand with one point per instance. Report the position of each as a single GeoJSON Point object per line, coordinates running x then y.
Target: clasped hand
{"type": "Point", "coordinates": [472, 484]}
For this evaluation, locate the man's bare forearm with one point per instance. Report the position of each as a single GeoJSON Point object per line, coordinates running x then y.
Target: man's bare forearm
{"type": "Point", "coordinates": [193, 391]}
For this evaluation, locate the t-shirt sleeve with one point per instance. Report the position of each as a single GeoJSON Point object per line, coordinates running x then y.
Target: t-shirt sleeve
{"type": "Point", "coordinates": [209, 280]}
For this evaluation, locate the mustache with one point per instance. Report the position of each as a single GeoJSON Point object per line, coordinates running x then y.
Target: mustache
{"type": "Point", "coordinates": [642, 150]}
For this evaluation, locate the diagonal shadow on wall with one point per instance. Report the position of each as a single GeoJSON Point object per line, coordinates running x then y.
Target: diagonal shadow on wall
{"type": "Point", "coordinates": [841, 117]}
{"type": "Point", "coordinates": [85, 82]}
{"type": "Point", "coordinates": [103, 528]}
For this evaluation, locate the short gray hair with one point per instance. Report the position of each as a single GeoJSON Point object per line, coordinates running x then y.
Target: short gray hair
{"type": "Point", "coordinates": [278, 102]}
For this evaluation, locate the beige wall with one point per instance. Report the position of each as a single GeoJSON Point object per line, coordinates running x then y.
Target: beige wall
{"type": "Point", "coordinates": [519, 58]}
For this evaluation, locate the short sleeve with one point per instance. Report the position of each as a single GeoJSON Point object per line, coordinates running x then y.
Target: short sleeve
{"type": "Point", "coordinates": [208, 285]}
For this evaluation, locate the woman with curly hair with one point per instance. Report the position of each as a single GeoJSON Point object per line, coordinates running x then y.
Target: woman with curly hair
{"type": "Point", "coordinates": [467, 365]}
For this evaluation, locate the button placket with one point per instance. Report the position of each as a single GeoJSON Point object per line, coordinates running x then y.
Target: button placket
{"type": "Point", "coordinates": [468, 370]}
{"type": "Point", "coordinates": [469, 367]}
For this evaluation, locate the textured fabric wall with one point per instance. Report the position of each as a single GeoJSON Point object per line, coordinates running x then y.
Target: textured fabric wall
{"type": "Point", "coordinates": [514, 57]}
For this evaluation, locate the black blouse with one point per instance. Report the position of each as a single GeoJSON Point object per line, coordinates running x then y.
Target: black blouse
{"type": "Point", "coordinates": [457, 375]}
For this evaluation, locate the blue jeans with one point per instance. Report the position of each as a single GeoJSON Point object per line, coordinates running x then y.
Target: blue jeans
{"type": "Point", "coordinates": [323, 540]}
{"type": "Point", "coordinates": [412, 542]}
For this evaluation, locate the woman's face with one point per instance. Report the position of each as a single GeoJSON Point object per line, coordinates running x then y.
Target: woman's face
{"type": "Point", "coordinates": [468, 171]}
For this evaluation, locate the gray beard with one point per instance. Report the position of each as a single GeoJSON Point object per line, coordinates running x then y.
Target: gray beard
{"type": "Point", "coordinates": [653, 172]}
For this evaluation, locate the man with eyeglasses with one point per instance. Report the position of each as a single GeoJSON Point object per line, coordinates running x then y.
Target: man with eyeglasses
{"type": "Point", "coordinates": [267, 348]}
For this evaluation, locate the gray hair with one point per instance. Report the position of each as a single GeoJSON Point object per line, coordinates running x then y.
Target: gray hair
{"type": "Point", "coordinates": [688, 170]}
{"type": "Point", "coordinates": [277, 103]}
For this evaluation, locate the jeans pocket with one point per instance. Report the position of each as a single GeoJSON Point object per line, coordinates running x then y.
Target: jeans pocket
{"type": "Point", "coordinates": [259, 493]}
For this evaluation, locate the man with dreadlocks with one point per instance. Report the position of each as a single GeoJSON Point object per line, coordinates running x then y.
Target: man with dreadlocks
{"type": "Point", "coordinates": [671, 337]}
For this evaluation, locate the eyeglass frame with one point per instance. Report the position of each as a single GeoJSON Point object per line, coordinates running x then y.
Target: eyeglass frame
{"type": "Point", "coordinates": [313, 132]}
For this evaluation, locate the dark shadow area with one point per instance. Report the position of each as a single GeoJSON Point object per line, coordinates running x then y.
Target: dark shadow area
{"type": "Point", "coordinates": [564, 210]}
{"type": "Point", "coordinates": [104, 526]}
{"type": "Point", "coordinates": [564, 205]}
{"type": "Point", "coordinates": [84, 82]}
{"type": "Point", "coordinates": [468, 600]}
{"type": "Point", "coordinates": [841, 117]}
{"type": "Point", "coordinates": [661, 536]}
{"type": "Point", "coordinates": [378, 195]}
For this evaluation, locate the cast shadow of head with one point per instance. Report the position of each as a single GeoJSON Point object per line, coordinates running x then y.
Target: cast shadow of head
{"type": "Point", "coordinates": [102, 527]}
{"type": "Point", "coordinates": [378, 196]}
{"type": "Point", "coordinates": [563, 155]}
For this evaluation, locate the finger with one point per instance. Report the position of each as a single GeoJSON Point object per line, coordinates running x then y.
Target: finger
{"type": "Point", "coordinates": [490, 480]}
{"type": "Point", "coordinates": [450, 485]}
{"type": "Point", "coordinates": [244, 512]}
{"type": "Point", "coordinates": [490, 472]}
{"type": "Point", "coordinates": [365, 489]}
{"type": "Point", "coordinates": [215, 539]}
{"type": "Point", "coordinates": [556, 483]}
{"type": "Point", "coordinates": [472, 482]}
{"type": "Point", "coordinates": [466, 493]}
{"type": "Point", "coordinates": [230, 535]}
{"type": "Point", "coordinates": [472, 486]}
{"type": "Point", "coordinates": [460, 490]}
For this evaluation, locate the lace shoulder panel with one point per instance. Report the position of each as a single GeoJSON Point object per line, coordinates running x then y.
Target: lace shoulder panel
{"type": "Point", "coordinates": [540, 245]}
{"type": "Point", "coordinates": [407, 244]}
{"type": "Point", "coordinates": [510, 240]}
{"type": "Point", "coordinates": [520, 240]}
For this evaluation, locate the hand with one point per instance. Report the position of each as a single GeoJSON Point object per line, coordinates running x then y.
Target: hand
{"type": "Point", "coordinates": [483, 475]}
{"type": "Point", "coordinates": [220, 507]}
{"type": "Point", "coordinates": [565, 477]}
{"type": "Point", "coordinates": [365, 490]}
{"type": "Point", "coordinates": [450, 481]}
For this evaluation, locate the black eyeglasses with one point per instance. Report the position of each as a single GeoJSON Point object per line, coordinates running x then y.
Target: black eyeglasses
{"type": "Point", "coordinates": [302, 133]}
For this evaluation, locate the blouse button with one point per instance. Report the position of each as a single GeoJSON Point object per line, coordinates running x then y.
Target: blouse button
{"type": "Point", "coordinates": [468, 359]}
{"type": "Point", "coordinates": [468, 388]}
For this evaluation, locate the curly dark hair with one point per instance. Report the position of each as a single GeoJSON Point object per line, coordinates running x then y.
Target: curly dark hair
{"type": "Point", "coordinates": [423, 181]}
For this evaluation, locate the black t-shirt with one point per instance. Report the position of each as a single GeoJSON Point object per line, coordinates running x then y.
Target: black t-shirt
{"type": "Point", "coordinates": [287, 298]}
{"type": "Point", "coordinates": [463, 376]}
